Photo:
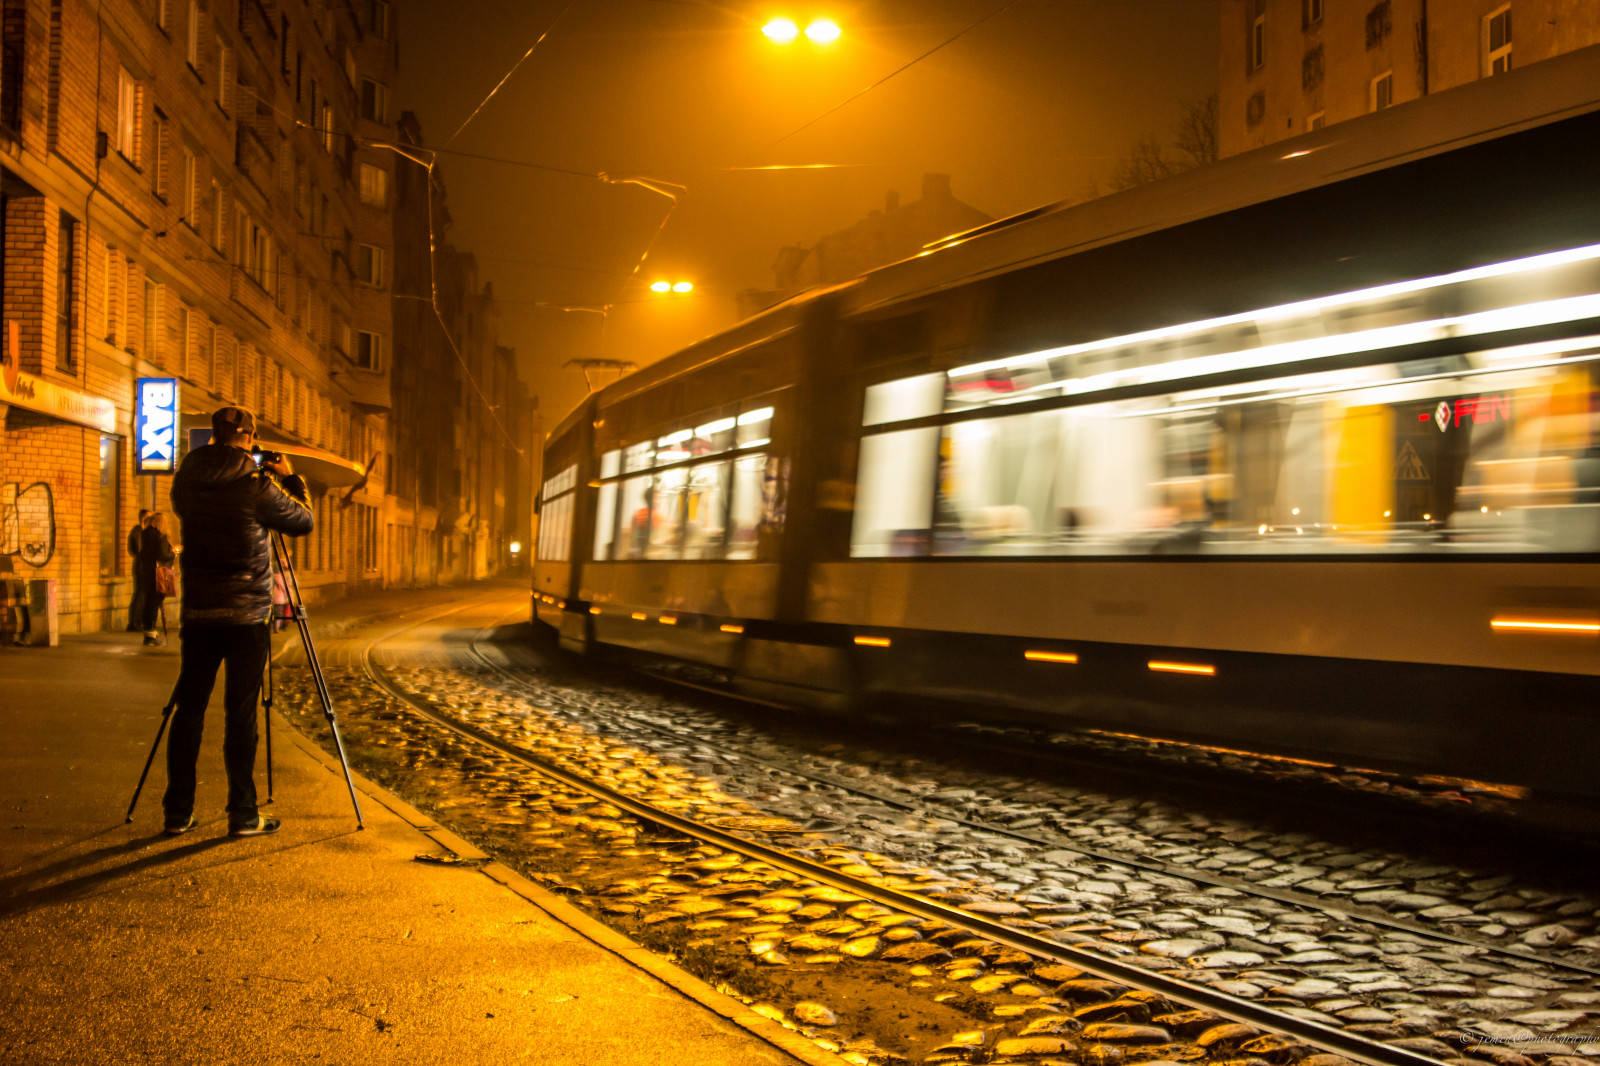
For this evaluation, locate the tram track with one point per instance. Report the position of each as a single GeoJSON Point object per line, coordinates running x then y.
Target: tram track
{"type": "Point", "coordinates": [1314, 1034]}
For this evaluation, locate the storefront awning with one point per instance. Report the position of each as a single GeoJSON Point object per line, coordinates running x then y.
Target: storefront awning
{"type": "Point", "coordinates": [321, 468]}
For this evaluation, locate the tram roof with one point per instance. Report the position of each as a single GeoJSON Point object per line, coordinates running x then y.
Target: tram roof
{"type": "Point", "coordinates": [1482, 110]}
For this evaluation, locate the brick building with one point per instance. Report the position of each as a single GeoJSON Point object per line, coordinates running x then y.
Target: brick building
{"type": "Point", "coordinates": [1292, 66]}
{"type": "Point", "coordinates": [461, 437]}
{"type": "Point", "coordinates": [186, 194]}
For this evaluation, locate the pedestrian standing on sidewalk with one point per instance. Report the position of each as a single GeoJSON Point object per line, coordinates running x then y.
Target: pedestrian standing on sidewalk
{"type": "Point", "coordinates": [228, 506]}
{"type": "Point", "coordinates": [155, 554]}
{"type": "Point", "coordinates": [136, 603]}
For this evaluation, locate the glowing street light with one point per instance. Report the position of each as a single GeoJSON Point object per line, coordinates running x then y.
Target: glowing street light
{"type": "Point", "coordinates": [823, 32]}
{"type": "Point", "coordinates": [781, 31]}
{"type": "Point", "coordinates": [672, 286]}
{"type": "Point", "coordinates": [787, 31]}
{"type": "Point", "coordinates": [683, 286]}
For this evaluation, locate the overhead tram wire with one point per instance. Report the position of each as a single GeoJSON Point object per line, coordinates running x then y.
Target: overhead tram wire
{"type": "Point", "coordinates": [514, 68]}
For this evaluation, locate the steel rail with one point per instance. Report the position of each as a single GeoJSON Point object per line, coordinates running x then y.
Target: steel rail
{"type": "Point", "coordinates": [1350, 1045]}
{"type": "Point", "coordinates": [1335, 910]}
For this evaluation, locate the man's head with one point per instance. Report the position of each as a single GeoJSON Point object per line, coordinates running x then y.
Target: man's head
{"type": "Point", "coordinates": [235, 426]}
{"type": "Point", "coordinates": [144, 513]}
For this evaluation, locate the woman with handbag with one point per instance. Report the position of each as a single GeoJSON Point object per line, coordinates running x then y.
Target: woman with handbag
{"type": "Point", "coordinates": [155, 571]}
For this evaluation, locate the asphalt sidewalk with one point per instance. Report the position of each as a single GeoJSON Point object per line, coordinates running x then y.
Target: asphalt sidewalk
{"type": "Point", "coordinates": [319, 944]}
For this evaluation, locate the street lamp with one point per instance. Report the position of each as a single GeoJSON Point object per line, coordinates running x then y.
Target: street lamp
{"type": "Point", "coordinates": [787, 31]}
{"type": "Point", "coordinates": [823, 32]}
{"type": "Point", "coordinates": [672, 286]}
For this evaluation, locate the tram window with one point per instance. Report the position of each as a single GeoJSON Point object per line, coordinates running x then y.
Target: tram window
{"type": "Point", "coordinates": [894, 499]}
{"type": "Point", "coordinates": [755, 427]}
{"type": "Point", "coordinates": [744, 517]}
{"type": "Point", "coordinates": [637, 496]}
{"type": "Point", "coordinates": [666, 516]}
{"type": "Point", "coordinates": [611, 463]}
{"type": "Point", "coordinates": [638, 456]}
{"type": "Point", "coordinates": [713, 436]}
{"type": "Point", "coordinates": [705, 504]}
{"type": "Point", "coordinates": [605, 521]}
{"type": "Point", "coordinates": [896, 401]}
{"type": "Point", "coordinates": [1442, 458]}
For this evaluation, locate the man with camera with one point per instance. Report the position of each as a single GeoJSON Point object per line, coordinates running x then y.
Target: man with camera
{"type": "Point", "coordinates": [228, 506]}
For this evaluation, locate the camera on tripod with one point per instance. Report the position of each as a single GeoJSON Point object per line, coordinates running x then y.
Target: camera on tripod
{"type": "Point", "coordinates": [263, 457]}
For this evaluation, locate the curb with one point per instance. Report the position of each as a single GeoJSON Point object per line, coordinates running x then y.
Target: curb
{"type": "Point", "coordinates": [585, 926]}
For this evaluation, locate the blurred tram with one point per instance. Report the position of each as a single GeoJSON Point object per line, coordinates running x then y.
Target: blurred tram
{"type": "Point", "coordinates": [1298, 453]}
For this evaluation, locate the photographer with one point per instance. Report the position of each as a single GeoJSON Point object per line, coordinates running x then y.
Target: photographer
{"type": "Point", "coordinates": [227, 506]}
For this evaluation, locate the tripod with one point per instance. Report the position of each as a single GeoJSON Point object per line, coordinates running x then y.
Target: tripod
{"type": "Point", "coordinates": [284, 564]}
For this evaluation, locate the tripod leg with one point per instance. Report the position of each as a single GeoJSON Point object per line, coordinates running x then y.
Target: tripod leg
{"type": "Point", "coordinates": [319, 680]}
{"type": "Point", "coordinates": [166, 717]}
{"type": "Point", "coordinates": [266, 709]}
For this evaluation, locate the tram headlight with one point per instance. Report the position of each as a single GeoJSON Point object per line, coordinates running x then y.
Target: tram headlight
{"type": "Point", "coordinates": [516, 547]}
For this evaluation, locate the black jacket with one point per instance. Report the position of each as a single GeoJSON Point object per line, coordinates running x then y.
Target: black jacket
{"type": "Point", "coordinates": [154, 550]}
{"type": "Point", "coordinates": [227, 505]}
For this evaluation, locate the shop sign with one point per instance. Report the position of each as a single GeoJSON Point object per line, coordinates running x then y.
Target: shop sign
{"type": "Point", "coordinates": [155, 426]}
{"type": "Point", "coordinates": [34, 393]}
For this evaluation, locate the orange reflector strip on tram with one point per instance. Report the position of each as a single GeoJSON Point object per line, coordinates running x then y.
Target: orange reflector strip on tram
{"type": "Point", "coordinates": [639, 616]}
{"type": "Point", "coordinates": [667, 620]}
{"type": "Point", "coordinates": [1163, 667]}
{"type": "Point", "coordinates": [732, 629]}
{"type": "Point", "coordinates": [1547, 625]}
{"type": "Point", "coordinates": [873, 642]}
{"type": "Point", "coordinates": [1050, 656]}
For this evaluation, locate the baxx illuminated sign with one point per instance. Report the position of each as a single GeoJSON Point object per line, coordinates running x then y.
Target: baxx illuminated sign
{"type": "Point", "coordinates": [155, 426]}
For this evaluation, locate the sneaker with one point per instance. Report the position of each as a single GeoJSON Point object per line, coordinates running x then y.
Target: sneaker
{"type": "Point", "coordinates": [151, 641]}
{"type": "Point", "coordinates": [175, 829]}
{"type": "Point", "coordinates": [259, 826]}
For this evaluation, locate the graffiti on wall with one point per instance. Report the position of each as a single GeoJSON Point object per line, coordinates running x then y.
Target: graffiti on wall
{"type": "Point", "coordinates": [28, 522]}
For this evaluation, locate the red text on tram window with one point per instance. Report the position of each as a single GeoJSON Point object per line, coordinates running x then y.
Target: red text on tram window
{"type": "Point", "coordinates": [1480, 409]}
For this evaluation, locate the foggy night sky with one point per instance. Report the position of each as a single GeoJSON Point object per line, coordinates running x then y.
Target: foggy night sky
{"type": "Point", "coordinates": [1032, 107]}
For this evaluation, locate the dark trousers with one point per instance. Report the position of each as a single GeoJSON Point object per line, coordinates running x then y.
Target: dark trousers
{"type": "Point", "coordinates": [136, 604]}
{"type": "Point", "coordinates": [150, 620]}
{"type": "Point", "coordinates": [245, 650]}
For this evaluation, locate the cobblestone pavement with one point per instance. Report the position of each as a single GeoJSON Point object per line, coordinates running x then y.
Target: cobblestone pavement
{"type": "Point", "coordinates": [887, 987]}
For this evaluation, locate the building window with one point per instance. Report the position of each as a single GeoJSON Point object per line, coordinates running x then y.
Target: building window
{"type": "Point", "coordinates": [127, 139]}
{"type": "Point", "coordinates": [369, 264]}
{"type": "Point", "coordinates": [66, 291]}
{"type": "Point", "coordinates": [158, 158]}
{"type": "Point", "coordinates": [1256, 45]}
{"type": "Point", "coordinates": [1497, 41]}
{"type": "Point", "coordinates": [188, 196]}
{"type": "Point", "coordinates": [1310, 13]}
{"type": "Point", "coordinates": [219, 215]}
{"type": "Point", "coordinates": [224, 77]}
{"type": "Point", "coordinates": [1311, 70]}
{"type": "Point", "coordinates": [152, 316]}
{"type": "Point", "coordinates": [185, 341]}
{"type": "Point", "coordinates": [379, 22]}
{"type": "Point", "coordinates": [255, 251]}
{"type": "Point", "coordinates": [13, 41]}
{"type": "Point", "coordinates": [325, 120]}
{"type": "Point", "coordinates": [374, 186]}
{"type": "Point", "coordinates": [1315, 121]}
{"type": "Point", "coordinates": [373, 100]}
{"type": "Point", "coordinates": [113, 555]}
{"type": "Point", "coordinates": [1381, 93]}
{"type": "Point", "coordinates": [369, 351]}
{"type": "Point", "coordinates": [1380, 20]}
{"type": "Point", "coordinates": [192, 38]}
{"type": "Point", "coordinates": [109, 295]}
{"type": "Point", "coordinates": [164, 14]}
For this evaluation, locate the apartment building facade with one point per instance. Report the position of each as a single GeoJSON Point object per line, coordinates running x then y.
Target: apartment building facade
{"type": "Point", "coordinates": [191, 192]}
{"type": "Point", "coordinates": [460, 480]}
{"type": "Point", "coordinates": [1293, 66]}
